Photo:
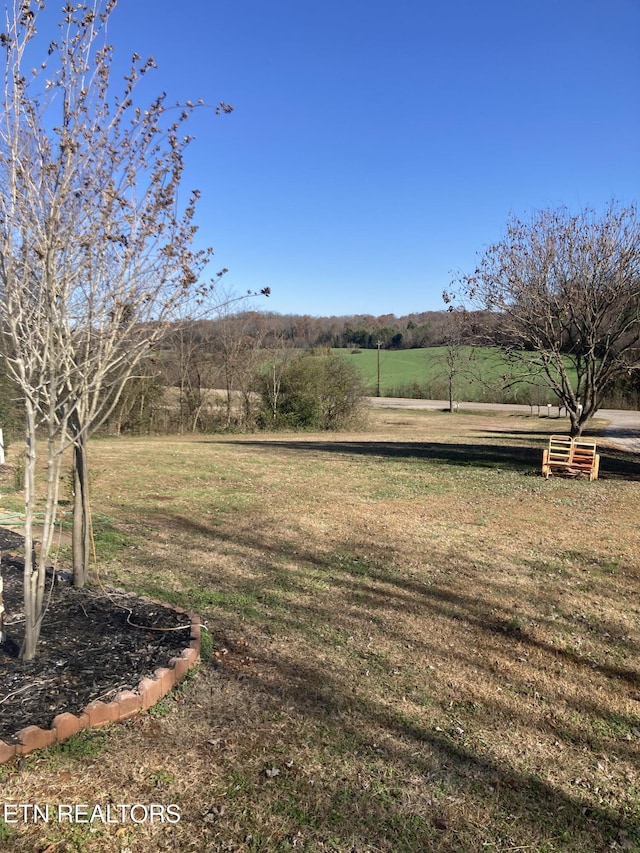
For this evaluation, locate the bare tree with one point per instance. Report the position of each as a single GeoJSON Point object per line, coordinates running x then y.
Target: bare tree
{"type": "Point", "coordinates": [189, 344]}
{"type": "Point", "coordinates": [279, 356]}
{"type": "Point", "coordinates": [566, 290]}
{"type": "Point", "coordinates": [457, 354]}
{"type": "Point", "coordinates": [236, 353]}
{"type": "Point", "coordinates": [141, 407]}
{"type": "Point", "coordinates": [96, 256]}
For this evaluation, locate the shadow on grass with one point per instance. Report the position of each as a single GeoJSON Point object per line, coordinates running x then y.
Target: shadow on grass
{"type": "Point", "coordinates": [406, 594]}
{"type": "Point", "coordinates": [520, 458]}
{"type": "Point", "coordinates": [619, 464]}
{"type": "Point", "coordinates": [522, 806]}
{"type": "Point", "coordinates": [614, 464]}
{"type": "Point", "coordinates": [453, 767]}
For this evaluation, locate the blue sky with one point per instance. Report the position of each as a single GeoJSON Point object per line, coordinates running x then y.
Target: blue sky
{"type": "Point", "coordinates": [377, 147]}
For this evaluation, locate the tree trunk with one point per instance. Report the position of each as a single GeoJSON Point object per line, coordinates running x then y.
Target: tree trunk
{"type": "Point", "coordinates": [2, 634]}
{"type": "Point", "coordinates": [81, 535]}
{"type": "Point", "coordinates": [229, 394]}
{"type": "Point", "coordinates": [32, 611]}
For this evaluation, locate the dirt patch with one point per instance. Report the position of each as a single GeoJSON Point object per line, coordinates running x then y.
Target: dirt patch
{"type": "Point", "coordinates": [94, 643]}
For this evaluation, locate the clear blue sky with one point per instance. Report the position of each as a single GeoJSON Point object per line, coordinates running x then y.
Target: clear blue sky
{"type": "Point", "coordinates": [377, 147]}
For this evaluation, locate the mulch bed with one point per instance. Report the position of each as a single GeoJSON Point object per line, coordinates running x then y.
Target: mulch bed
{"type": "Point", "coordinates": [90, 647]}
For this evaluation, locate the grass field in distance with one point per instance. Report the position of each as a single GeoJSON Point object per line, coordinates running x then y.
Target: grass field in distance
{"type": "Point", "coordinates": [424, 373]}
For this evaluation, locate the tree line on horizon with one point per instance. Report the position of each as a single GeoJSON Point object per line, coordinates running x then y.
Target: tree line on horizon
{"type": "Point", "coordinates": [416, 330]}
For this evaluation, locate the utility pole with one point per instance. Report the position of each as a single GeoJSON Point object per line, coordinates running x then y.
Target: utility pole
{"type": "Point", "coordinates": [378, 385]}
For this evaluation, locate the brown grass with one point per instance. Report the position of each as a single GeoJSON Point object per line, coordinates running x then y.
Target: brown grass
{"type": "Point", "coordinates": [421, 645]}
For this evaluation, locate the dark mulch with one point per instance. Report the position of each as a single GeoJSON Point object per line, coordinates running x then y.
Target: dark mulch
{"type": "Point", "coordinates": [90, 648]}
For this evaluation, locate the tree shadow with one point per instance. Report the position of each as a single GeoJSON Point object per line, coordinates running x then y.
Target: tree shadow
{"type": "Point", "coordinates": [619, 464]}
{"type": "Point", "coordinates": [440, 757]}
{"type": "Point", "coordinates": [451, 768]}
{"type": "Point", "coordinates": [525, 459]}
{"type": "Point", "coordinates": [615, 463]}
{"type": "Point", "coordinates": [516, 457]}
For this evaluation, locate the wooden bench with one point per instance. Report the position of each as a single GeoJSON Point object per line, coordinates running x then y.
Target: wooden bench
{"type": "Point", "coordinates": [571, 456]}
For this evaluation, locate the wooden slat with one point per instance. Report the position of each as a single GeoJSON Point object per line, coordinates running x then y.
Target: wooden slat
{"type": "Point", "coordinates": [574, 456]}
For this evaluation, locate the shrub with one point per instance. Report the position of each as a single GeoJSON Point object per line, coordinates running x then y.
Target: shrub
{"type": "Point", "coordinates": [313, 392]}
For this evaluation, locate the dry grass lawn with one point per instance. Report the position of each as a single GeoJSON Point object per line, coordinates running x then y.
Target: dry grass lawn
{"type": "Point", "coordinates": [419, 645]}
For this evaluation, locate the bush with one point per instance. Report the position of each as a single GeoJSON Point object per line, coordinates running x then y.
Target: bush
{"type": "Point", "coordinates": [313, 392]}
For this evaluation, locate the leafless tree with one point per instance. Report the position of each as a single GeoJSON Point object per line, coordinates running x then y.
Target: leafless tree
{"type": "Point", "coordinates": [96, 255]}
{"type": "Point", "coordinates": [141, 406]}
{"type": "Point", "coordinates": [237, 353]}
{"type": "Point", "coordinates": [193, 362]}
{"type": "Point", "coordinates": [566, 290]}
{"type": "Point", "coordinates": [280, 354]}
{"type": "Point", "coordinates": [457, 354]}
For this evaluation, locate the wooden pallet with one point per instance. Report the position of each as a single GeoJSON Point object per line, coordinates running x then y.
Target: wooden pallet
{"type": "Point", "coordinates": [571, 457]}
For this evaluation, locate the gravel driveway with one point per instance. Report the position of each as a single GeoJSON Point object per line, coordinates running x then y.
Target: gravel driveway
{"type": "Point", "coordinates": [623, 428]}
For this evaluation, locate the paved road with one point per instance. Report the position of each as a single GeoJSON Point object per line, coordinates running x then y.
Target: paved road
{"type": "Point", "coordinates": [623, 428]}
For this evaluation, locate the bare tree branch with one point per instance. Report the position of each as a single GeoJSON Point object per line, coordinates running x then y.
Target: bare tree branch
{"type": "Point", "coordinates": [566, 289]}
{"type": "Point", "coordinates": [97, 254]}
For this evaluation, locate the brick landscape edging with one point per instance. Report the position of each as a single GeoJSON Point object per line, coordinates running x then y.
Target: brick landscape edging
{"type": "Point", "coordinates": [126, 703]}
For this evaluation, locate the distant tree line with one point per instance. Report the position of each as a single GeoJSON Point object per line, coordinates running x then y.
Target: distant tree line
{"type": "Point", "coordinates": [361, 331]}
{"type": "Point", "coordinates": [239, 369]}
{"type": "Point", "coordinates": [249, 370]}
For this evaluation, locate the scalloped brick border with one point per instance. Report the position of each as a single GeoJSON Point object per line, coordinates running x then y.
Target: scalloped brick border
{"type": "Point", "coordinates": [125, 704]}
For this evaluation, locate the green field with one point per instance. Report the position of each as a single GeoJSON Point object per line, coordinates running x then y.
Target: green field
{"type": "Point", "coordinates": [424, 373]}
